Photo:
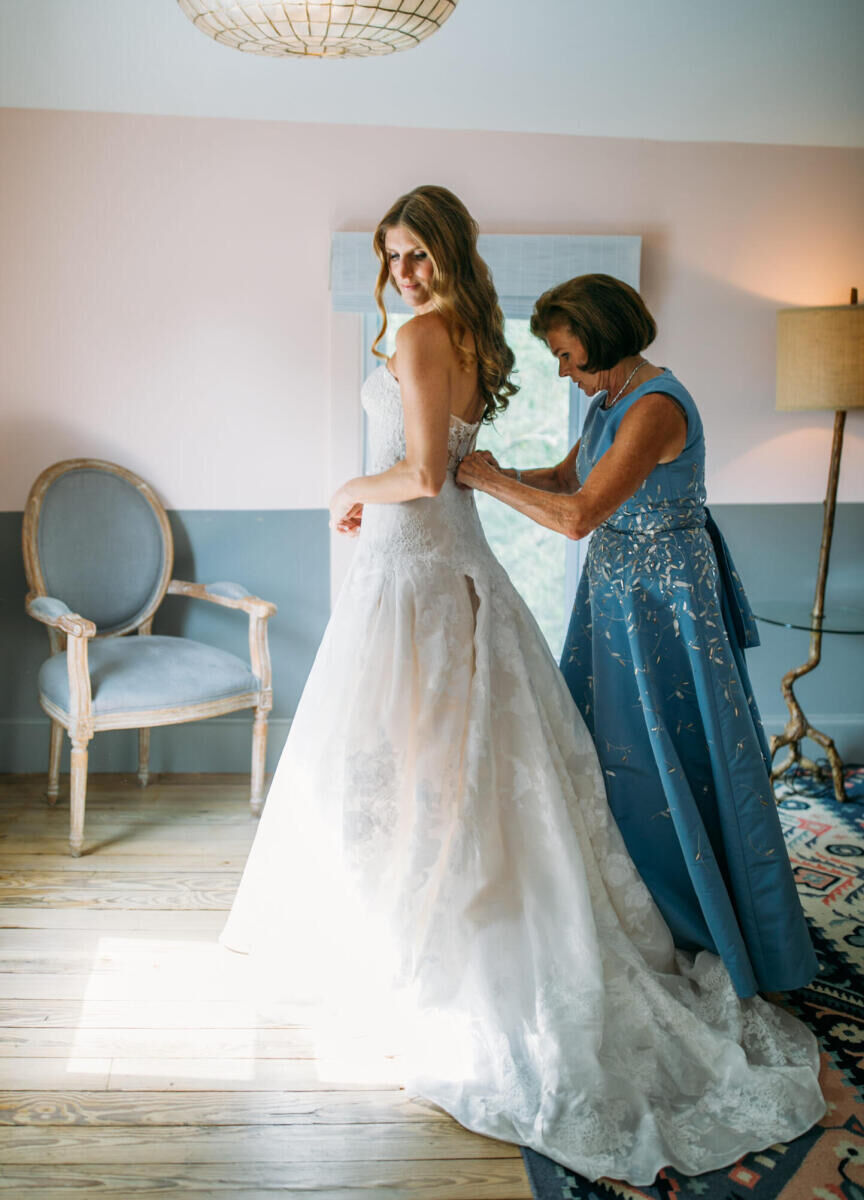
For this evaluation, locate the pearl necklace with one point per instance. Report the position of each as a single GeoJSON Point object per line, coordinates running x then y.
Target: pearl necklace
{"type": "Point", "coordinates": [626, 384]}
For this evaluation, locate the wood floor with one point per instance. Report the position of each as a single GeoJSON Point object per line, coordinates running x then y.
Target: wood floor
{"type": "Point", "coordinates": [133, 1057]}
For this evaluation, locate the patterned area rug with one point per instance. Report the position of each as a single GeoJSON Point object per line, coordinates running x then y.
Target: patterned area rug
{"type": "Point", "coordinates": [826, 846]}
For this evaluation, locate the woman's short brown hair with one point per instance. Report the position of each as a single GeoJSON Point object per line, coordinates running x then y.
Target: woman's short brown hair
{"type": "Point", "coordinates": [609, 318]}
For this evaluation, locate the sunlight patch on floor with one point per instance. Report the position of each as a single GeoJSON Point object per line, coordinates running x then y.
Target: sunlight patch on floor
{"type": "Point", "coordinates": [161, 970]}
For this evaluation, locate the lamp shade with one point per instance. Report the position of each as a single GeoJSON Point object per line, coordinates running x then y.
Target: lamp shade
{"type": "Point", "coordinates": [820, 357]}
{"type": "Point", "coordinates": [323, 30]}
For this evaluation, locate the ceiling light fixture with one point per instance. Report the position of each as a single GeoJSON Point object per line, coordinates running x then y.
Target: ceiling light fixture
{"type": "Point", "coordinates": [328, 30]}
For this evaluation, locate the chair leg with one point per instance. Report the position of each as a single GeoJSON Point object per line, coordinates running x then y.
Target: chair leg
{"type": "Point", "coordinates": [259, 756]}
{"type": "Point", "coordinates": [54, 762]}
{"type": "Point", "coordinates": [78, 796]}
{"type": "Point", "coordinates": [144, 756]}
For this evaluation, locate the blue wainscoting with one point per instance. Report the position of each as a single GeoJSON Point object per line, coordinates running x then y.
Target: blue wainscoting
{"type": "Point", "coordinates": [284, 556]}
{"type": "Point", "coordinates": [776, 549]}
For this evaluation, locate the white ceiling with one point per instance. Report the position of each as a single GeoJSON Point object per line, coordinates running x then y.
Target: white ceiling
{"type": "Point", "coordinates": [784, 71]}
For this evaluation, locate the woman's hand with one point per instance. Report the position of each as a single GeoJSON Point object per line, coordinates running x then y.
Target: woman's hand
{"type": "Point", "coordinates": [346, 514]}
{"type": "Point", "coordinates": [350, 524]}
{"type": "Point", "coordinates": [477, 468]}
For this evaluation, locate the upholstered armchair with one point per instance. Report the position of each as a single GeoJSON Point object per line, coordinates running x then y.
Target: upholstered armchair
{"type": "Point", "coordinates": [98, 555]}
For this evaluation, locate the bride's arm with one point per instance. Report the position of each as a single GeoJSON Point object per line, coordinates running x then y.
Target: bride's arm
{"type": "Point", "coordinates": [425, 355]}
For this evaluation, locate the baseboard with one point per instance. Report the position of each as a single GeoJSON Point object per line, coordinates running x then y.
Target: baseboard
{"type": "Point", "coordinates": [224, 744]}
{"type": "Point", "coordinates": [220, 745]}
{"type": "Point", "coordinates": [846, 731]}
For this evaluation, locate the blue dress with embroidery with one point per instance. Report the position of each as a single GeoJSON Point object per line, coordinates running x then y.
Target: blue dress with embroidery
{"type": "Point", "coordinates": [654, 660]}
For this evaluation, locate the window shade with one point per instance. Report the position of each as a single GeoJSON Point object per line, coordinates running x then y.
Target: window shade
{"type": "Point", "coordinates": [522, 265]}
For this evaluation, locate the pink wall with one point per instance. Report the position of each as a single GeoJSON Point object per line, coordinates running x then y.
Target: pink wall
{"type": "Point", "coordinates": [164, 303]}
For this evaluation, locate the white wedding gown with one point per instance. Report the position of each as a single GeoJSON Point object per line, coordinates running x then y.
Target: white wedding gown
{"type": "Point", "coordinates": [436, 850]}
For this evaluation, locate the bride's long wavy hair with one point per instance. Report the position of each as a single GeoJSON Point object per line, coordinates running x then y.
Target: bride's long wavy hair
{"type": "Point", "coordinates": [462, 288]}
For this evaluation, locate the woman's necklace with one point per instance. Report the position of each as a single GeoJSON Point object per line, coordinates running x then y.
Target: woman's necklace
{"type": "Point", "coordinates": [626, 383]}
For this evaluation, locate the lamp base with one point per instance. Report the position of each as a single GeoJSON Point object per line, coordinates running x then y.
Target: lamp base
{"type": "Point", "coordinates": [797, 728]}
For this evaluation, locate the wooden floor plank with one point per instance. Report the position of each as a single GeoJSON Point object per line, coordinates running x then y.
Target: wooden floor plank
{"type": "Point", "coordinates": [170, 1109]}
{"type": "Point", "coordinates": [194, 1074]}
{"type": "Point", "coordinates": [124, 837]}
{"type": "Point", "coordinates": [157, 1043]}
{"type": "Point", "coordinates": [110, 954]}
{"type": "Point", "coordinates": [183, 800]}
{"type": "Point", "coordinates": [123, 919]}
{"type": "Point", "coordinates": [249, 1074]}
{"type": "Point", "coordinates": [82, 941]}
{"type": "Point", "coordinates": [124, 784]}
{"type": "Point", "coordinates": [158, 826]}
{"type": "Point", "coordinates": [460, 1179]}
{"type": "Point", "coordinates": [123, 851]}
{"type": "Point", "coordinates": [46, 1074]}
{"type": "Point", "coordinates": [127, 889]}
{"type": "Point", "coordinates": [157, 863]}
{"type": "Point", "coordinates": [119, 986]}
{"type": "Point", "coordinates": [259, 1144]}
{"type": "Point", "coordinates": [137, 805]}
{"type": "Point", "coordinates": [114, 953]}
{"type": "Point", "coordinates": [150, 1014]}
{"type": "Point", "coordinates": [162, 825]}
{"type": "Point", "coordinates": [121, 968]}
{"type": "Point", "coordinates": [120, 803]}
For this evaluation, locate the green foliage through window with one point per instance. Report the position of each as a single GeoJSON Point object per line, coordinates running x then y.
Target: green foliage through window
{"type": "Point", "coordinates": [531, 433]}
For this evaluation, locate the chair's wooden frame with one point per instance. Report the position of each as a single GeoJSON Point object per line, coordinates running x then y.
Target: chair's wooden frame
{"type": "Point", "coordinates": [72, 633]}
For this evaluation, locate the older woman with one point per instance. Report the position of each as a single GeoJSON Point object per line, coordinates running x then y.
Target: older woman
{"type": "Point", "coordinates": [654, 653]}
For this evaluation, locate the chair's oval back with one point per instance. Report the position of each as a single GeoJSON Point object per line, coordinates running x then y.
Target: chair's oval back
{"type": "Point", "coordinates": [97, 538]}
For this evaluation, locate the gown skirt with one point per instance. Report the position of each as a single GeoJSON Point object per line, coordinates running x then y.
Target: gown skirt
{"type": "Point", "coordinates": [436, 861]}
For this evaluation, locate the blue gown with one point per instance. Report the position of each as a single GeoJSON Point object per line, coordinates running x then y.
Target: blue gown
{"type": "Point", "coordinates": [654, 660]}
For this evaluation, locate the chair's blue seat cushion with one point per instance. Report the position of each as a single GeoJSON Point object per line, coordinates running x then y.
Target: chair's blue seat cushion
{"type": "Point", "coordinates": [128, 674]}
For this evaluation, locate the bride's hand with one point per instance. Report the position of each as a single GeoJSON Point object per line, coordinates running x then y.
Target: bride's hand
{"type": "Point", "coordinates": [476, 468]}
{"type": "Point", "coordinates": [346, 515]}
{"type": "Point", "coordinates": [350, 524]}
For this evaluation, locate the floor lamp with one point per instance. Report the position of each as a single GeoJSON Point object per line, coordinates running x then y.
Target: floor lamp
{"type": "Point", "coordinates": [820, 365]}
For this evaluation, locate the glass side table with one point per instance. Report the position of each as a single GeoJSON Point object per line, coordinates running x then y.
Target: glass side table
{"type": "Point", "coordinates": [839, 619]}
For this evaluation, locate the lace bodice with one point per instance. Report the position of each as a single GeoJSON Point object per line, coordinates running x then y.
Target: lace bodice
{"type": "Point", "coordinates": [382, 400]}
{"type": "Point", "coordinates": [438, 529]}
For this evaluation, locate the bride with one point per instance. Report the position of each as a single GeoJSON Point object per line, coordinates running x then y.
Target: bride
{"type": "Point", "coordinates": [436, 851]}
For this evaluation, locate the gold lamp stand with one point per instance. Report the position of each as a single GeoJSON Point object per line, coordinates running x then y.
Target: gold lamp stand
{"type": "Point", "coordinates": [820, 365]}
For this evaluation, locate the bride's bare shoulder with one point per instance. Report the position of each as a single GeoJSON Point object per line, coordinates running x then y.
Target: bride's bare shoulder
{"type": "Point", "coordinates": [424, 334]}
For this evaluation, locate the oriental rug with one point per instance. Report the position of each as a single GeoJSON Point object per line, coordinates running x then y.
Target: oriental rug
{"type": "Point", "coordinates": [826, 846]}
